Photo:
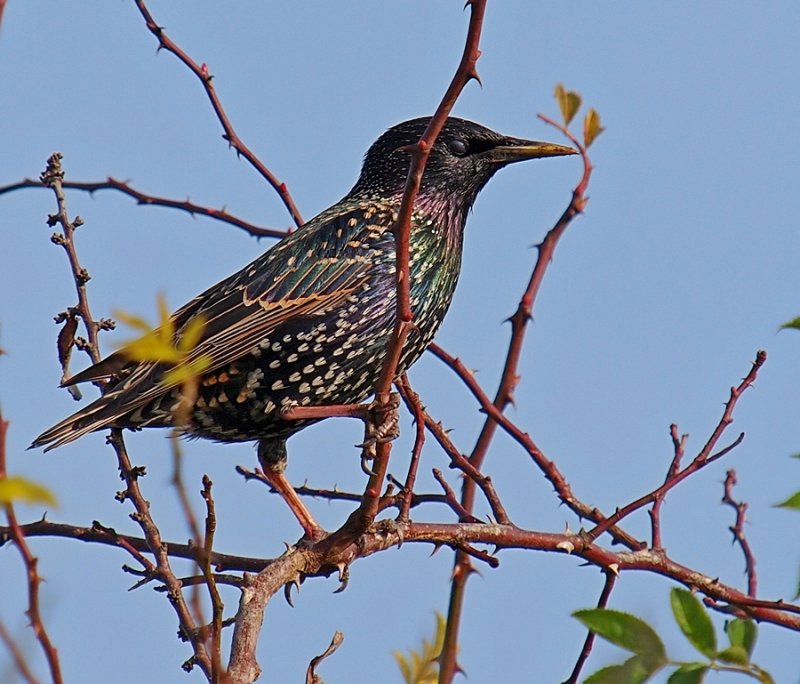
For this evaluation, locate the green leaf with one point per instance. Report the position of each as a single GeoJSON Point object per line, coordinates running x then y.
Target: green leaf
{"type": "Point", "coordinates": [694, 621]}
{"type": "Point", "coordinates": [689, 673]}
{"type": "Point", "coordinates": [626, 631]}
{"type": "Point", "coordinates": [16, 488]}
{"type": "Point", "coordinates": [635, 670]}
{"type": "Point", "coordinates": [793, 502]}
{"type": "Point", "coordinates": [569, 102]}
{"type": "Point", "coordinates": [591, 127]}
{"type": "Point", "coordinates": [734, 654]}
{"type": "Point", "coordinates": [794, 324]}
{"type": "Point", "coordinates": [742, 633]}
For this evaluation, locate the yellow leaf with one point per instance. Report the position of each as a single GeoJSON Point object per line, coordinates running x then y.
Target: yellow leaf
{"type": "Point", "coordinates": [569, 103]}
{"type": "Point", "coordinates": [591, 127]}
{"type": "Point", "coordinates": [191, 333]}
{"type": "Point", "coordinates": [151, 347]}
{"type": "Point", "coordinates": [16, 488]}
{"type": "Point", "coordinates": [133, 321]}
{"type": "Point", "coordinates": [186, 372]}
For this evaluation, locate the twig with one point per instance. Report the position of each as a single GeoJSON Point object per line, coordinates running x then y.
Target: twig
{"type": "Point", "coordinates": [679, 448]}
{"type": "Point", "coordinates": [549, 468]}
{"type": "Point", "coordinates": [505, 393]}
{"type": "Point", "coordinates": [211, 581]}
{"type": "Point", "coordinates": [704, 457]}
{"type": "Point", "coordinates": [98, 534]}
{"type": "Point", "coordinates": [417, 409]}
{"type": "Point", "coordinates": [159, 549]}
{"type": "Point", "coordinates": [152, 200]}
{"type": "Point", "coordinates": [458, 460]}
{"type": "Point", "coordinates": [34, 580]}
{"type": "Point", "coordinates": [463, 514]}
{"type": "Point", "coordinates": [311, 674]}
{"type": "Point", "coordinates": [17, 656]}
{"type": "Point", "coordinates": [202, 73]}
{"type": "Point", "coordinates": [53, 177]}
{"type": "Point", "coordinates": [602, 602]}
{"type": "Point", "coordinates": [737, 529]}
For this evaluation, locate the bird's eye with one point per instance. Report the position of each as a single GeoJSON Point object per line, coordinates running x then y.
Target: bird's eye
{"type": "Point", "coordinates": [458, 147]}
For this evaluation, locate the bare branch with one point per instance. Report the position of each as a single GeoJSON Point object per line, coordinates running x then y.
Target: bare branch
{"type": "Point", "coordinates": [602, 602]}
{"type": "Point", "coordinates": [152, 200]}
{"type": "Point", "coordinates": [703, 458]}
{"type": "Point", "coordinates": [34, 580]}
{"type": "Point", "coordinates": [202, 73]}
{"type": "Point", "coordinates": [737, 529]}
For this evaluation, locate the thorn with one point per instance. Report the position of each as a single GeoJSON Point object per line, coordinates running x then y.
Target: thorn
{"type": "Point", "coordinates": [565, 545]}
{"type": "Point", "coordinates": [287, 590]}
{"type": "Point", "coordinates": [344, 577]}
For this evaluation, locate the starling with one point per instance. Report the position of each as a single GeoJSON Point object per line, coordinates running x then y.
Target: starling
{"type": "Point", "coordinates": [307, 322]}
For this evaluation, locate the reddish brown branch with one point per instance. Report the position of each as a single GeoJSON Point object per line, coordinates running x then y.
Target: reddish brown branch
{"type": "Point", "coordinates": [548, 467]}
{"type": "Point", "coordinates": [602, 602]}
{"type": "Point", "coordinates": [737, 529]}
{"type": "Point", "coordinates": [31, 571]}
{"type": "Point", "coordinates": [704, 457]}
{"type": "Point", "coordinates": [679, 448]}
{"type": "Point", "coordinates": [17, 656]}
{"type": "Point", "coordinates": [202, 73]}
{"type": "Point", "coordinates": [418, 410]}
{"type": "Point", "coordinates": [136, 546]}
{"type": "Point", "coordinates": [465, 72]}
{"type": "Point", "coordinates": [154, 201]}
{"type": "Point", "coordinates": [505, 392]}
{"type": "Point", "coordinates": [462, 463]}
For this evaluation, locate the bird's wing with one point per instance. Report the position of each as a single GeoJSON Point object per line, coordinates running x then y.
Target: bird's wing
{"type": "Point", "coordinates": [304, 276]}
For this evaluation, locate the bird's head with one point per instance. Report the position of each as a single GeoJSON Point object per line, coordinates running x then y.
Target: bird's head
{"type": "Point", "coordinates": [463, 158]}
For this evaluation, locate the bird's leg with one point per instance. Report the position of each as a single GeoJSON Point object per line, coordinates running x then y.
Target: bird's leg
{"type": "Point", "coordinates": [380, 425]}
{"type": "Point", "coordinates": [272, 456]}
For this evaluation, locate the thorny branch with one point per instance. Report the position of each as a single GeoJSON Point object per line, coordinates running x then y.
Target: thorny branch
{"type": "Point", "coordinates": [588, 643]}
{"type": "Point", "coordinates": [201, 71]}
{"type": "Point", "coordinates": [504, 396]}
{"type": "Point", "coordinates": [361, 536]}
{"type": "Point", "coordinates": [703, 458]}
{"type": "Point", "coordinates": [17, 536]}
{"type": "Point", "coordinates": [737, 530]}
{"type": "Point", "coordinates": [145, 199]}
{"type": "Point", "coordinates": [53, 177]}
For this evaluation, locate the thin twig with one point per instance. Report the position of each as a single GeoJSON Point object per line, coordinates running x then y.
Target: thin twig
{"type": "Point", "coordinates": [202, 73]}
{"type": "Point", "coordinates": [31, 571]}
{"type": "Point", "coordinates": [145, 199]}
{"type": "Point", "coordinates": [737, 530]}
{"type": "Point", "coordinates": [417, 409]}
{"type": "Point", "coordinates": [17, 656]}
{"type": "Point", "coordinates": [704, 458]}
{"type": "Point", "coordinates": [602, 602]}
{"type": "Point", "coordinates": [504, 396]}
{"type": "Point", "coordinates": [311, 674]}
{"type": "Point", "coordinates": [53, 177]}
{"type": "Point", "coordinates": [679, 448]}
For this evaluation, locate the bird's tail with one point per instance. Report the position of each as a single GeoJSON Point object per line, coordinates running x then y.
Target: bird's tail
{"type": "Point", "coordinates": [96, 416]}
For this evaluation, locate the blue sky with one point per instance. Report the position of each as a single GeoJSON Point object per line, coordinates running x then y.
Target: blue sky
{"type": "Point", "coordinates": [684, 264]}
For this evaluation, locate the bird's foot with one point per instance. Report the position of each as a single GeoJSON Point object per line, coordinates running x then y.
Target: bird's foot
{"type": "Point", "coordinates": [380, 426]}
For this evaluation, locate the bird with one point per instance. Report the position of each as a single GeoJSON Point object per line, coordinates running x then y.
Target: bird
{"type": "Point", "coordinates": [307, 323]}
